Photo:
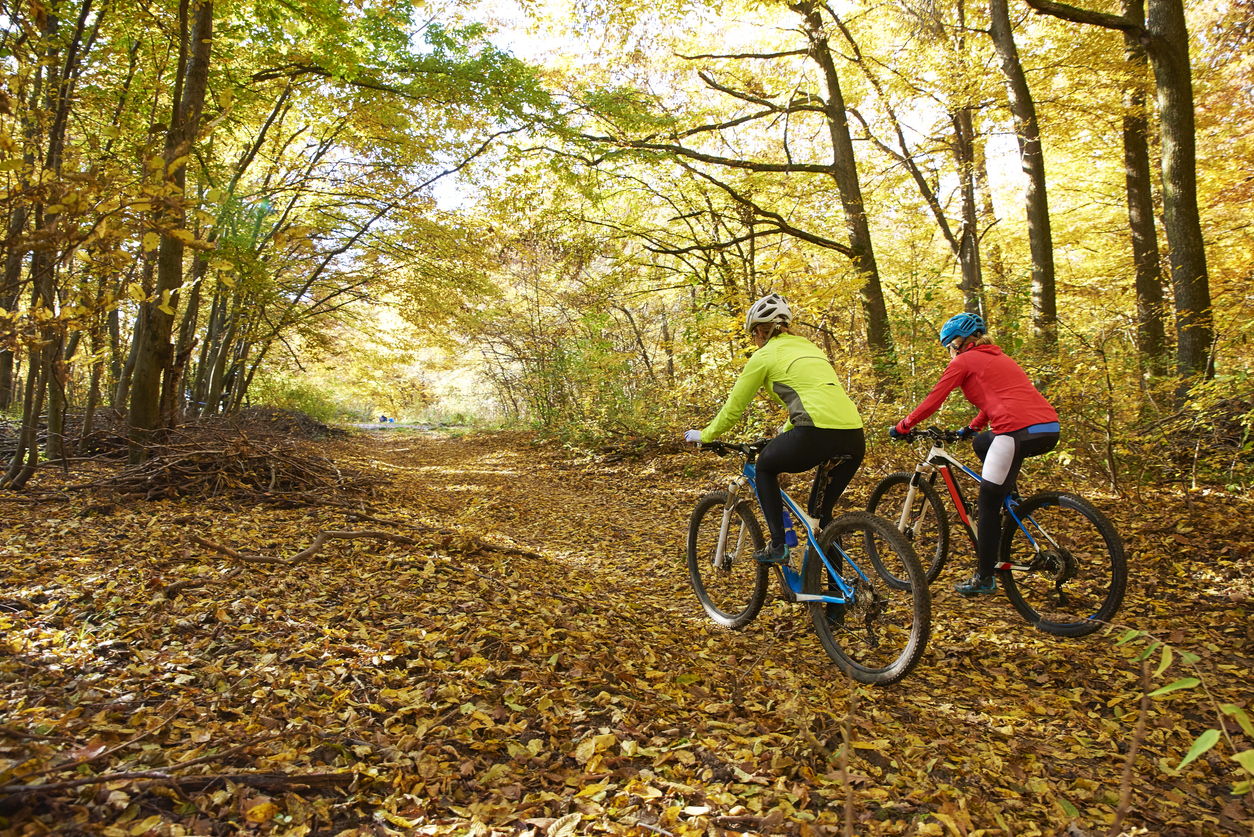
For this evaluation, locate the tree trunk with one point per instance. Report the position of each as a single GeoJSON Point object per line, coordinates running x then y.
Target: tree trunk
{"type": "Point", "coordinates": [969, 237]}
{"type": "Point", "coordinates": [1151, 338]}
{"type": "Point", "coordinates": [1027, 130]}
{"type": "Point", "coordinates": [10, 291]}
{"type": "Point", "coordinates": [1195, 330]}
{"type": "Point", "coordinates": [154, 357]}
{"type": "Point", "coordinates": [19, 471]}
{"type": "Point", "coordinates": [845, 173]}
{"type": "Point", "coordinates": [1166, 40]}
{"type": "Point", "coordinates": [996, 314]}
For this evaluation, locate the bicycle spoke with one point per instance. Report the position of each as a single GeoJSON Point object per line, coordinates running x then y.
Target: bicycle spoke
{"type": "Point", "coordinates": [924, 523]}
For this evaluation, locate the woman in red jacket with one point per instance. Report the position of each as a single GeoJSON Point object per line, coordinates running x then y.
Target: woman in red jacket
{"type": "Point", "coordinates": [1022, 424]}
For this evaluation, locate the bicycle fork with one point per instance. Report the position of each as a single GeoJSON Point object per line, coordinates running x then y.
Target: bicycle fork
{"type": "Point", "coordinates": [722, 560]}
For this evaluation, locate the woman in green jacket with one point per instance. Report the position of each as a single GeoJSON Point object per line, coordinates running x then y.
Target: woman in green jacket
{"type": "Point", "coordinates": [822, 420]}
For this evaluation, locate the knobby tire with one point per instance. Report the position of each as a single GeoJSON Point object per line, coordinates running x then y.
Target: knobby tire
{"type": "Point", "coordinates": [1078, 579]}
{"type": "Point", "coordinates": [880, 635]}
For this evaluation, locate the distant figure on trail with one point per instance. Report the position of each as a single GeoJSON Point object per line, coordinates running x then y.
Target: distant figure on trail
{"type": "Point", "coordinates": [823, 422]}
{"type": "Point", "coordinates": [383, 419]}
{"type": "Point", "coordinates": [1022, 422]}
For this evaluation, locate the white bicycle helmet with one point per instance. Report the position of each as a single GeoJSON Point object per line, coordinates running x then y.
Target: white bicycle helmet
{"type": "Point", "coordinates": [769, 309]}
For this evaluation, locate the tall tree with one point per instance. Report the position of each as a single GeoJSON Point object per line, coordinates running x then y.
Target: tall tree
{"type": "Point", "coordinates": [1028, 133]}
{"type": "Point", "coordinates": [1150, 336]}
{"type": "Point", "coordinates": [636, 129]}
{"type": "Point", "coordinates": [153, 360]}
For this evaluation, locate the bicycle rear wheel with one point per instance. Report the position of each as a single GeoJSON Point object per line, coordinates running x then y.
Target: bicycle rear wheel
{"type": "Point", "coordinates": [731, 593]}
{"type": "Point", "coordinates": [925, 524]}
{"type": "Point", "coordinates": [1063, 567]}
{"type": "Point", "coordinates": [878, 636]}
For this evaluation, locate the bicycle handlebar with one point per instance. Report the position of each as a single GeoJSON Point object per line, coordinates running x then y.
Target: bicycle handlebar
{"type": "Point", "coordinates": [749, 450]}
{"type": "Point", "coordinates": [936, 434]}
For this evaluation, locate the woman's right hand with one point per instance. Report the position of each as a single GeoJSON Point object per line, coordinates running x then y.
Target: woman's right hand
{"type": "Point", "coordinates": [693, 436]}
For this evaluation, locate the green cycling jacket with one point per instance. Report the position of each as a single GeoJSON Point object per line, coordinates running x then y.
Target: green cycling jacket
{"type": "Point", "coordinates": [799, 376]}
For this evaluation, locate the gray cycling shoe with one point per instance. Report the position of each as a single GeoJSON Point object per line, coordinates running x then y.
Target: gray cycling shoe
{"type": "Point", "coordinates": [772, 555]}
{"type": "Point", "coordinates": [977, 586]}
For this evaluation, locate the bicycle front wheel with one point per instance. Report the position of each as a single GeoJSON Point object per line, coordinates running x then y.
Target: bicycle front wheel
{"type": "Point", "coordinates": [880, 633]}
{"type": "Point", "coordinates": [1063, 565]}
{"type": "Point", "coordinates": [924, 522]}
{"type": "Point", "coordinates": [730, 584]}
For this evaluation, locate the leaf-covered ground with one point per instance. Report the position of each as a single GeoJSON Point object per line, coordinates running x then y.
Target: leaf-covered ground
{"type": "Point", "coordinates": [524, 656]}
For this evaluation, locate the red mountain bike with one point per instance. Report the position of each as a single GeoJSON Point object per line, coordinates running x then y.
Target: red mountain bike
{"type": "Point", "coordinates": [1060, 560]}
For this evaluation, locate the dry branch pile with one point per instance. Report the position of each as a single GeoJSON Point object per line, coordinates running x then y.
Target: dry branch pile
{"type": "Point", "coordinates": [210, 465]}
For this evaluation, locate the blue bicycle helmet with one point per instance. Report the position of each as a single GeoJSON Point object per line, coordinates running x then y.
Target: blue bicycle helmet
{"type": "Point", "coordinates": [961, 326]}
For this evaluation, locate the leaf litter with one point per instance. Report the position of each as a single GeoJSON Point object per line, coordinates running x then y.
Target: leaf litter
{"type": "Point", "coordinates": [518, 652]}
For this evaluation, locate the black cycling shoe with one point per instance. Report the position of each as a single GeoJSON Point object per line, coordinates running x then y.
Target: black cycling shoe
{"type": "Point", "coordinates": [772, 554]}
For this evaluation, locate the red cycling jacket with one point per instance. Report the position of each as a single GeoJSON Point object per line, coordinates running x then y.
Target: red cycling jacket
{"type": "Point", "coordinates": [995, 384]}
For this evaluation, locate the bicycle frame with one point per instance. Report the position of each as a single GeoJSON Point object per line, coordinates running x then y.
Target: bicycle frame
{"type": "Point", "coordinates": [790, 577]}
{"type": "Point", "coordinates": [939, 460]}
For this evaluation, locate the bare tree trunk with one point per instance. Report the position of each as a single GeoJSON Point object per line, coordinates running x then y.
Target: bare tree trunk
{"type": "Point", "coordinates": [1040, 235]}
{"type": "Point", "coordinates": [10, 291]}
{"type": "Point", "coordinates": [994, 314]}
{"type": "Point", "coordinates": [1195, 328]}
{"type": "Point", "coordinates": [969, 239]}
{"type": "Point", "coordinates": [1166, 40]}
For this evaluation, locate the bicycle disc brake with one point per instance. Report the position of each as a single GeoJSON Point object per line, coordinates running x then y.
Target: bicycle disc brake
{"type": "Point", "coordinates": [1058, 564]}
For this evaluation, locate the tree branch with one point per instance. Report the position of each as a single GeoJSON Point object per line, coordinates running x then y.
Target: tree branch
{"type": "Point", "coordinates": [1078, 15]}
{"type": "Point", "coordinates": [739, 55]}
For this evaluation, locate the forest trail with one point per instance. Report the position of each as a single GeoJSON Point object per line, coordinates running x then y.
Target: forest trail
{"type": "Point", "coordinates": [1021, 711]}
{"type": "Point", "coordinates": [525, 656]}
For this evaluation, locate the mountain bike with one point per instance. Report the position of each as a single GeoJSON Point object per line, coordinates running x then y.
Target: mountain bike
{"type": "Point", "coordinates": [875, 630]}
{"type": "Point", "coordinates": [1060, 560]}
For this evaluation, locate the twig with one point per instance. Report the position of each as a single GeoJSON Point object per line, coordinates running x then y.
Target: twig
{"type": "Point", "coordinates": [1125, 786]}
{"type": "Point", "coordinates": [847, 735]}
{"type": "Point", "coordinates": [140, 774]}
{"type": "Point", "coordinates": [231, 553]}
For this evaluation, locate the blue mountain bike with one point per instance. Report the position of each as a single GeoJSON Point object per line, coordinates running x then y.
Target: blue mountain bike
{"type": "Point", "coordinates": [865, 589]}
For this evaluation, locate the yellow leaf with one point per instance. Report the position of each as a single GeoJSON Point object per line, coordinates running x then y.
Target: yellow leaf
{"type": "Point", "coordinates": [151, 241]}
{"type": "Point", "coordinates": [565, 826]}
{"type": "Point", "coordinates": [147, 825]}
{"type": "Point", "coordinates": [263, 812]}
{"type": "Point", "coordinates": [183, 235]}
{"type": "Point", "coordinates": [586, 750]}
{"type": "Point", "coordinates": [593, 789]}
{"type": "Point", "coordinates": [135, 292]}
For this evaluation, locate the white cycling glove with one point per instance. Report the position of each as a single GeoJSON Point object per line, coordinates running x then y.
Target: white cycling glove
{"type": "Point", "coordinates": [692, 436]}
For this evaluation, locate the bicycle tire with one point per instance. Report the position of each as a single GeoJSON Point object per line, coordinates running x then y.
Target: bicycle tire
{"type": "Point", "coordinates": [888, 500]}
{"type": "Point", "coordinates": [1081, 557]}
{"type": "Point", "coordinates": [733, 595]}
{"type": "Point", "coordinates": [879, 637]}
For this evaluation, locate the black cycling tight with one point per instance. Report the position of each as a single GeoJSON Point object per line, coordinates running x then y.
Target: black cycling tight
{"type": "Point", "coordinates": [797, 451]}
